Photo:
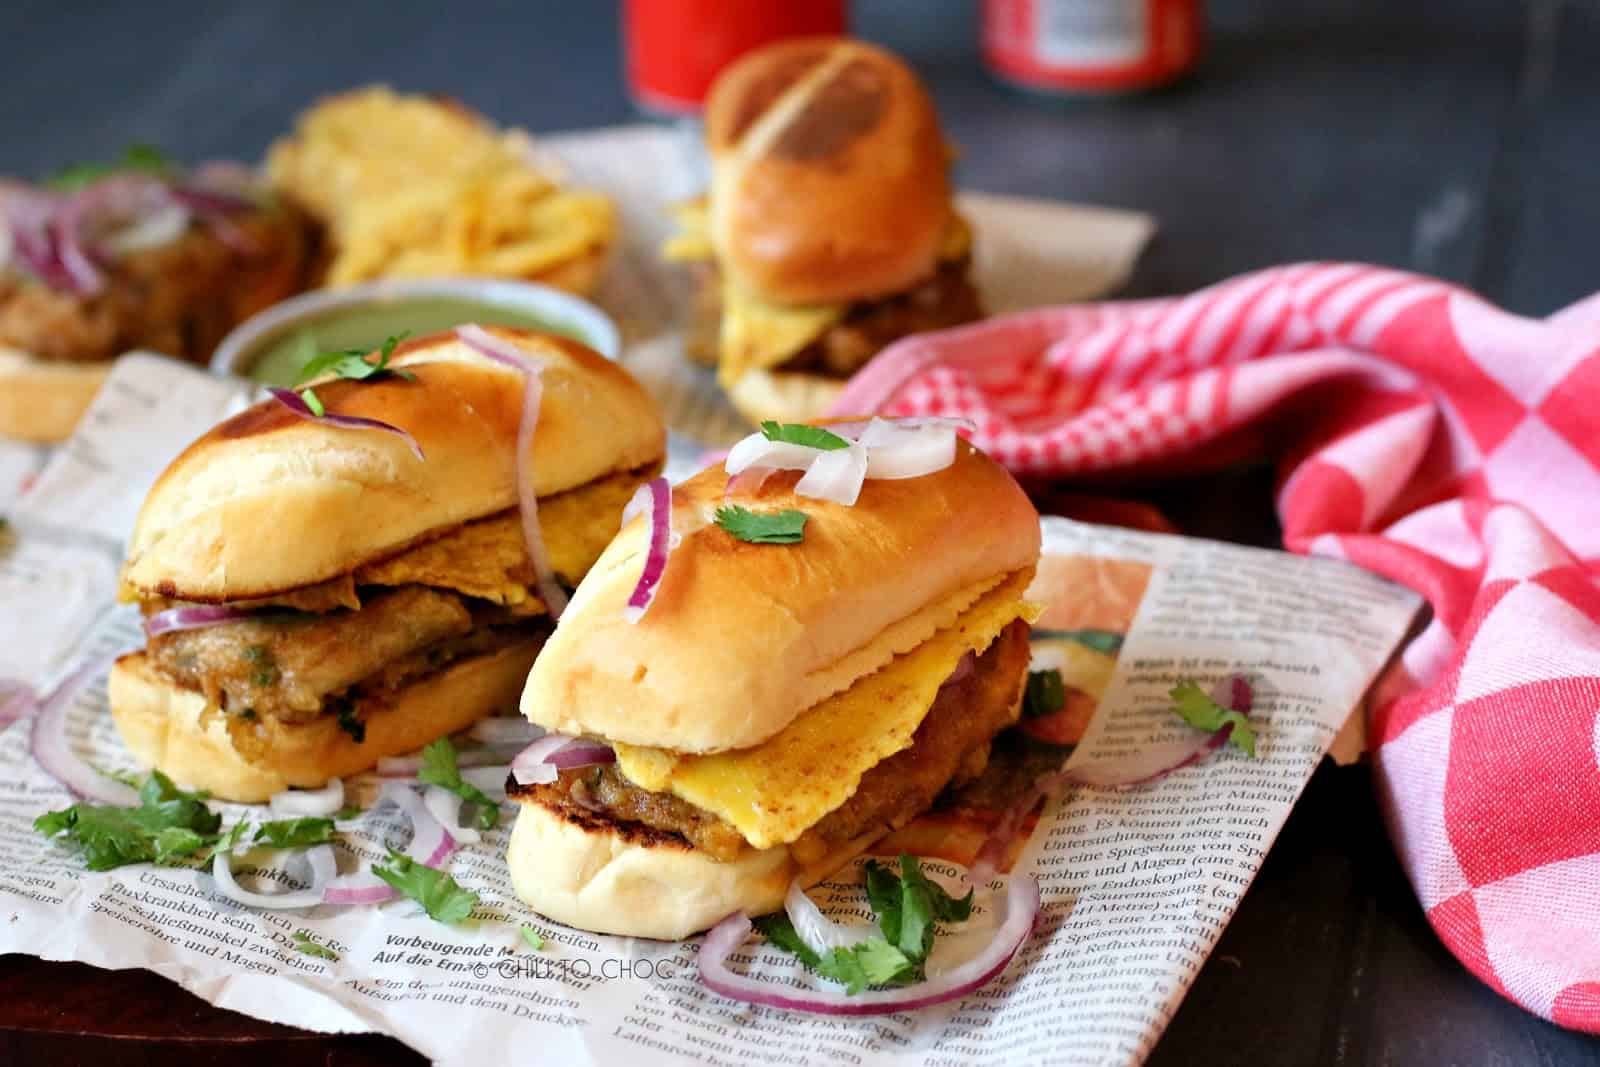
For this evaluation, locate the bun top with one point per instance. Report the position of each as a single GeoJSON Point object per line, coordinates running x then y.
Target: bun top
{"type": "Point", "coordinates": [742, 638]}
{"type": "Point", "coordinates": [828, 173]}
{"type": "Point", "coordinates": [267, 502]}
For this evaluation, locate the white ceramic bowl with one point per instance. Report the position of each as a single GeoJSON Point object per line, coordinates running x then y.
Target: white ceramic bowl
{"type": "Point", "coordinates": [563, 312]}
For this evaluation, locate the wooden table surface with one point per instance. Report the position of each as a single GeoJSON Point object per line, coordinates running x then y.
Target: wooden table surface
{"type": "Point", "coordinates": [1462, 140]}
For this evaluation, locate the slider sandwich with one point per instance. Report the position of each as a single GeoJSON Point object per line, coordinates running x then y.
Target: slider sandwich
{"type": "Point", "coordinates": [762, 676]}
{"type": "Point", "coordinates": [828, 231]}
{"type": "Point", "coordinates": [350, 571]}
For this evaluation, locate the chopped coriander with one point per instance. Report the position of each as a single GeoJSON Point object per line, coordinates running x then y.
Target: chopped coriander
{"type": "Point", "coordinates": [142, 158]}
{"type": "Point", "coordinates": [534, 939]}
{"type": "Point", "coordinates": [439, 768]}
{"type": "Point", "coordinates": [439, 894]}
{"type": "Point", "coordinates": [349, 811]}
{"type": "Point", "coordinates": [230, 840]}
{"type": "Point", "coordinates": [313, 402]}
{"type": "Point", "coordinates": [167, 825]}
{"type": "Point", "coordinates": [1045, 694]}
{"type": "Point", "coordinates": [1195, 707]}
{"type": "Point", "coordinates": [352, 363]}
{"type": "Point", "coordinates": [306, 943]}
{"type": "Point", "coordinates": [909, 907]}
{"type": "Point", "coordinates": [351, 723]}
{"type": "Point", "coordinates": [264, 670]}
{"type": "Point", "coordinates": [785, 527]}
{"type": "Point", "coordinates": [798, 433]}
{"type": "Point", "coordinates": [295, 833]}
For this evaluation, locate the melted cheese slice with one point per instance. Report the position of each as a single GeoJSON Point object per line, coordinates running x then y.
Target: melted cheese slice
{"type": "Point", "coordinates": [775, 792]}
{"type": "Point", "coordinates": [756, 334]}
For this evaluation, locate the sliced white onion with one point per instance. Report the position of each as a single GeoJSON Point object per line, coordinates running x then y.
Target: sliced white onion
{"type": "Point", "coordinates": [491, 781]}
{"type": "Point", "coordinates": [431, 843]}
{"type": "Point", "coordinates": [1022, 908]}
{"type": "Point", "coordinates": [505, 730]}
{"type": "Point", "coordinates": [191, 617]}
{"type": "Point", "coordinates": [323, 867]}
{"type": "Point", "coordinates": [408, 766]}
{"type": "Point", "coordinates": [504, 352]}
{"type": "Point", "coordinates": [53, 751]}
{"type": "Point", "coordinates": [896, 453]}
{"type": "Point", "coordinates": [815, 928]}
{"type": "Point", "coordinates": [757, 451]}
{"type": "Point", "coordinates": [835, 476]}
{"type": "Point", "coordinates": [446, 807]}
{"type": "Point", "coordinates": [308, 803]}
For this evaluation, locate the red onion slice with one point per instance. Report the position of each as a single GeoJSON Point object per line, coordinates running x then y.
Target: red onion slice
{"type": "Point", "coordinates": [815, 928]}
{"type": "Point", "coordinates": [656, 495]}
{"type": "Point", "coordinates": [308, 803]}
{"type": "Point", "coordinates": [504, 352]}
{"type": "Point", "coordinates": [835, 476]}
{"type": "Point", "coordinates": [191, 617]}
{"type": "Point", "coordinates": [297, 404]}
{"type": "Point", "coordinates": [505, 730]}
{"type": "Point", "coordinates": [54, 752]}
{"type": "Point", "coordinates": [17, 701]}
{"type": "Point", "coordinates": [445, 806]}
{"type": "Point", "coordinates": [431, 844]}
{"type": "Point", "coordinates": [323, 867]}
{"type": "Point", "coordinates": [363, 887]}
{"type": "Point", "coordinates": [1022, 908]}
{"type": "Point", "coordinates": [539, 763]}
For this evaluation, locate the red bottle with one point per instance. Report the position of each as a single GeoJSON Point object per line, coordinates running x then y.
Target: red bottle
{"type": "Point", "coordinates": [676, 48]}
{"type": "Point", "coordinates": [1078, 47]}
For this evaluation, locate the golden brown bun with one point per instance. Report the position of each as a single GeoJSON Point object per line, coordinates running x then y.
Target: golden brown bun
{"type": "Point", "coordinates": [742, 638]}
{"type": "Point", "coordinates": [783, 396]}
{"type": "Point", "coordinates": [828, 172]}
{"type": "Point", "coordinates": [595, 874]}
{"type": "Point", "coordinates": [268, 502]}
{"type": "Point", "coordinates": [42, 401]}
{"type": "Point", "coordinates": [164, 726]}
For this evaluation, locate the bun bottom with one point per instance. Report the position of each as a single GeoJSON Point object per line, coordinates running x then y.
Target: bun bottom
{"type": "Point", "coordinates": [42, 400]}
{"type": "Point", "coordinates": [608, 877]}
{"type": "Point", "coordinates": [164, 727]}
{"type": "Point", "coordinates": [784, 396]}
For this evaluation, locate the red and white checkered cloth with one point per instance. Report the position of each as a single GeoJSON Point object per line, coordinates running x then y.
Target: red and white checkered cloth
{"type": "Point", "coordinates": [1425, 435]}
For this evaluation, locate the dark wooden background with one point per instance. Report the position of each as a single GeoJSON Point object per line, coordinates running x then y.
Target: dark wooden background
{"type": "Point", "coordinates": [1460, 139]}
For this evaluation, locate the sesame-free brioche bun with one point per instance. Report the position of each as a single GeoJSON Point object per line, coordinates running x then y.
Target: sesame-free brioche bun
{"type": "Point", "coordinates": [167, 727]}
{"type": "Point", "coordinates": [828, 172]}
{"type": "Point", "coordinates": [267, 502]}
{"type": "Point", "coordinates": [741, 638]}
{"type": "Point", "coordinates": [594, 873]}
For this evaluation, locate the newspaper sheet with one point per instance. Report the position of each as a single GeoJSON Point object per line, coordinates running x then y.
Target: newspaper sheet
{"type": "Point", "coordinates": [1137, 883]}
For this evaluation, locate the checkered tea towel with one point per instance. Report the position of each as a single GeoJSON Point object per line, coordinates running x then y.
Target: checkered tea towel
{"type": "Point", "coordinates": [1423, 434]}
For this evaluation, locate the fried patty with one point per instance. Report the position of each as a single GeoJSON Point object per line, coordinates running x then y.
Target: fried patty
{"type": "Point", "coordinates": [180, 298]}
{"type": "Point", "coordinates": [950, 747]}
{"type": "Point", "coordinates": [945, 299]}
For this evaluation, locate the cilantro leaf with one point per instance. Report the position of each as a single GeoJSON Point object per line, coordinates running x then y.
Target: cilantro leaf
{"type": "Point", "coordinates": [313, 401]}
{"type": "Point", "coordinates": [1045, 694]}
{"type": "Point", "coordinates": [168, 824]}
{"type": "Point", "coordinates": [785, 527]}
{"type": "Point", "coordinates": [353, 363]}
{"type": "Point", "coordinates": [911, 905]}
{"type": "Point", "coordinates": [1195, 707]}
{"type": "Point", "coordinates": [143, 158]}
{"type": "Point", "coordinates": [230, 840]}
{"type": "Point", "coordinates": [798, 433]}
{"type": "Point", "coordinates": [348, 812]}
{"type": "Point", "coordinates": [883, 894]}
{"type": "Point", "coordinates": [534, 939]}
{"type": "Point", "coordinates": [308, 944]}
{"type": "Point", "coordinates": [295, 833]}
{"type": "Point", "coordinates": [778, 929]}
{"type": "Point", "coordinates": [439, 768]}
{"type": "Point", "coordinates": [869, 963]}
{"type": "Point", "coordinates": [439, 894]}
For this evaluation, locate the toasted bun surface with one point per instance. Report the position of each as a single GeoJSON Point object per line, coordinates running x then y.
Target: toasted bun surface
{"type": "Point", "coordinates": [593, 873]}
{"type": "Point", "coordinates": [828, 172]}
{"type": "Point", "coordinates": [741, 638]}
{"type": "Point", "coordinates": [267, 502]}
{"type": "Point", "coordinates": [165, 727]}
{"type": "Point", "coordinates": [42, 401]}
